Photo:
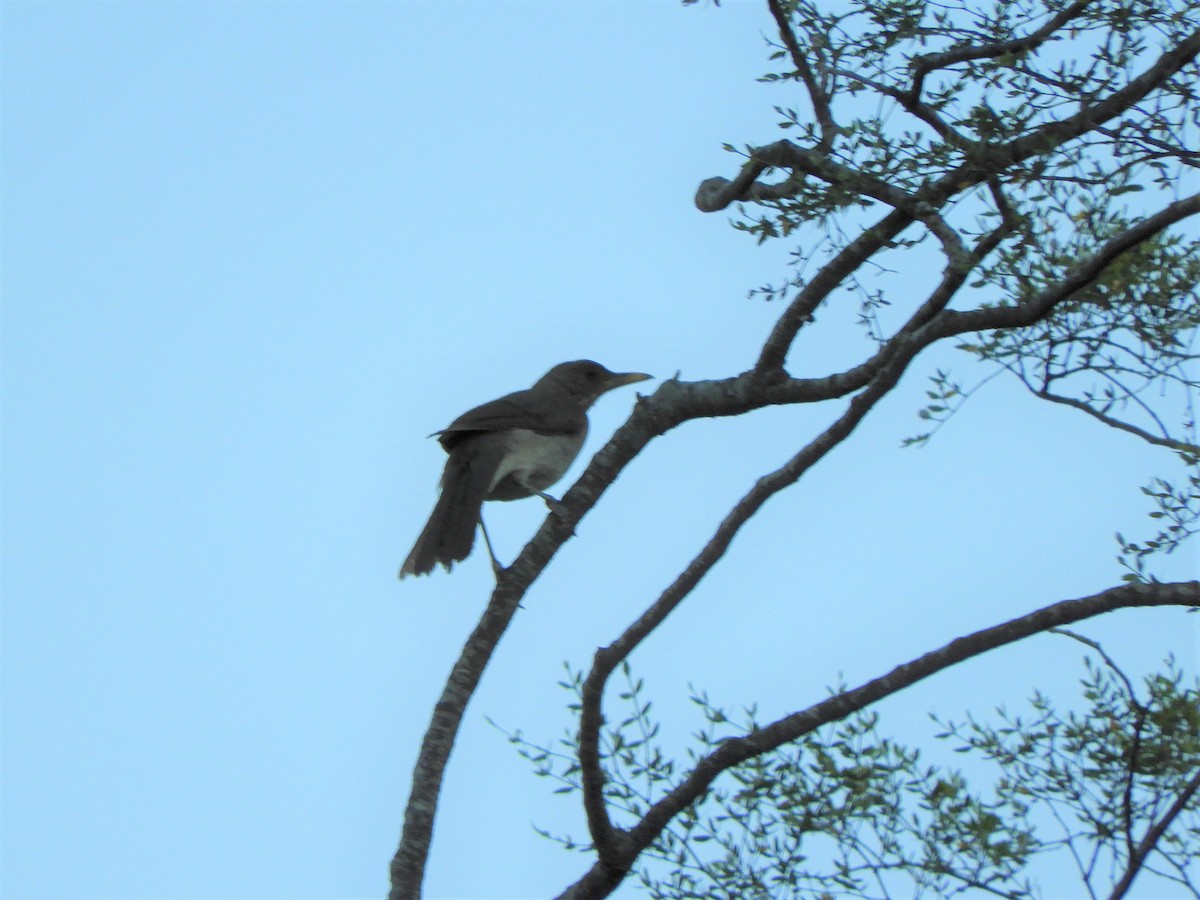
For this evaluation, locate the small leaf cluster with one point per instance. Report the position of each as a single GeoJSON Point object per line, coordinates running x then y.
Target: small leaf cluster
{"type": "Point", "coordinates": [1097, 781]}
{"type": "Point", "coordinates": [845, 811]}
{"type": "Point", "coordinates": [1177, 509]}
{"type": "Point", "coordinates": [638, 770]}
{"type": "Point", "coordinates": [946, 397]}
{"type": "Point", "coordinates": [1130, 328]}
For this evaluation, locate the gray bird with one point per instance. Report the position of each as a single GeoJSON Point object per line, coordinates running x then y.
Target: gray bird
{"type": "Point", "coordinates": [508, 449]}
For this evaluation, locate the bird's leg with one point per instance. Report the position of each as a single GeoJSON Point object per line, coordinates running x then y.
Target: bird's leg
{"type": "Point", "coordinates": [497, 569]}
{"type": "Point", "coordinates": [552, 503]}
{"type": "Point", "coordinates": [556, 507]}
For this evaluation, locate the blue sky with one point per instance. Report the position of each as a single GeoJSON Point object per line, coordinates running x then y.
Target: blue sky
{"type": "Point", "coordinates": [252, 254]}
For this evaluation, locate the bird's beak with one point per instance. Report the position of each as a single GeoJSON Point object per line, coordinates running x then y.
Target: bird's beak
{"type": "Point", "coordinates": [620, 379]}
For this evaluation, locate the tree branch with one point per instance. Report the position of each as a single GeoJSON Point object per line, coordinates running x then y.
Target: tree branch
{"type": "Point", "coordinates": [895, 358]}
{"type": "Point", "coordinates": [1131, 762]}
{"type": "Point", "coordinates": [923, 65]}
{"type": "Point", "coordinates": [833, 273]}
{"type": "Point", "coordinates": [1117, 423]}
{"type": "Point", "coordinates": [816, 94]}
{"type": "Point", "coordinates": [716, 193]}
{"type": "Point", "coordinates": [673, 403]}
{"type": "Point", "coordinates": [913, 105]}
{"type": "Point", "coordinates": [983, 161]}
{"type": "Point", "coordinates": [408, 865]}
{"type": "Point", "coordinates": [1153, 835]}
{"type": "Point", "coordinates": [953, 322]}
{"type": "Point", "coordinates": [991, 159]}
{"type": "Point", "coordinates": [767, 384]}
{"type": "Point", "coordinates": [603, 877]}
{"type": "Point", "coordinates": [591, 718]}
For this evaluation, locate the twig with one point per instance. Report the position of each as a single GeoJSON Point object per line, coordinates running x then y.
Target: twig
{"type": "Point", "coordinates": [816, 94]}
{"type": "Point", "coordinates": [922, 65]}
{"type": "Point", "coordinates": [1153, 835]}
{"type": "Point", "coordinates": [1117, 423]}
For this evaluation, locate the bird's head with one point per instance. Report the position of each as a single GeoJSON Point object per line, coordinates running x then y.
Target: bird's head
{"type": "Point", "coordinates": [587, 380]}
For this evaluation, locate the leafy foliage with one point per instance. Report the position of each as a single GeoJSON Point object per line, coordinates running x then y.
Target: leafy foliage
{"type": "Point", "coordinates": [848, 811]}
{"type": "Point", "coordinates": [1117, 343]}
{"type": "Point", "coordinates": [1104, 777]}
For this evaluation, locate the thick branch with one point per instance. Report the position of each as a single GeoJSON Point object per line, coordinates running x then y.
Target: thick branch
{"type": "Point", "coordinates": [674, 402]}
{"type": "Point", "coordinates": [716, 193]}
{"type": "Point", "coordinates": [603, 877]}
{"type": "Point", "coordinates": [408, 865]}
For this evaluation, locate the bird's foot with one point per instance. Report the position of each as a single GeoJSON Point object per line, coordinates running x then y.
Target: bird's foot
{"type": "Point", "coordinates": [557, 508]}
{"type": "Point", "coordinates": [554, 505]}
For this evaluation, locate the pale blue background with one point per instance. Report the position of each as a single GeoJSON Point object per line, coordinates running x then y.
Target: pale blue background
{"type": "Point", "coordinates": [253, 253]}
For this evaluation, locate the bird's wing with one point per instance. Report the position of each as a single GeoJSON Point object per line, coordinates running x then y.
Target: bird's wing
{"type": "Point", "coordinates": [518, 410]}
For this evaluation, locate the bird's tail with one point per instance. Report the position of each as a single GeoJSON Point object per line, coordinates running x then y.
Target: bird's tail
{"type": "Point", "coordinates": [450, 532]}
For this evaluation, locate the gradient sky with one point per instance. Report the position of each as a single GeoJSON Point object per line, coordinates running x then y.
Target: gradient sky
{"type": "Point", "coordinates": [253, 253]}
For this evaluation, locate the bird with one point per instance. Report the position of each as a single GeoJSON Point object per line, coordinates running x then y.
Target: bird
{"type": "Point", "coordinates": [510, 448]}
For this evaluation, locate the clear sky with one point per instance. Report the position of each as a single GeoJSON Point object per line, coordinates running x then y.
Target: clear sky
{"type": "Point", "coordinates": [252, 254]}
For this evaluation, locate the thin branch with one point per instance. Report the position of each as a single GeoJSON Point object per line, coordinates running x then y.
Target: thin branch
{"type": "Point", "coordinates": [1140, 711]}
{"type": "Point", "coordinates": [816, 94]}
{"type": "Point", "coordinates": [1169, 151]}
{"type": "Point", "coordinates": [912, 105]}
{"type": "Point", "coordinates": [1103, 654]}
{"type": "Point", "coordinates": [923, 65]}
{"type": "Point", "coordinates": [953, 322]}
{"type": "Point", "coordinates": [1153, 835]}
{"type": "Point", "coordinates": [1132, 393]}
{"type": "Point", "coordinates": [991, 159]}
{"type": "Point", "coordinates": [848, 259]}
{"type": "Point", "coordinates": [1117, 423]}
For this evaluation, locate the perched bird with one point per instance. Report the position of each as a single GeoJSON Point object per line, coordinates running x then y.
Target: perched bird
{"type": "Point", "coordinates": [507, 449]}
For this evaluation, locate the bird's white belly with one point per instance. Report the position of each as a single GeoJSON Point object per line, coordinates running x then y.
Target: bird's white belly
{"type": "Point", "coordinates": [536, 460]}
